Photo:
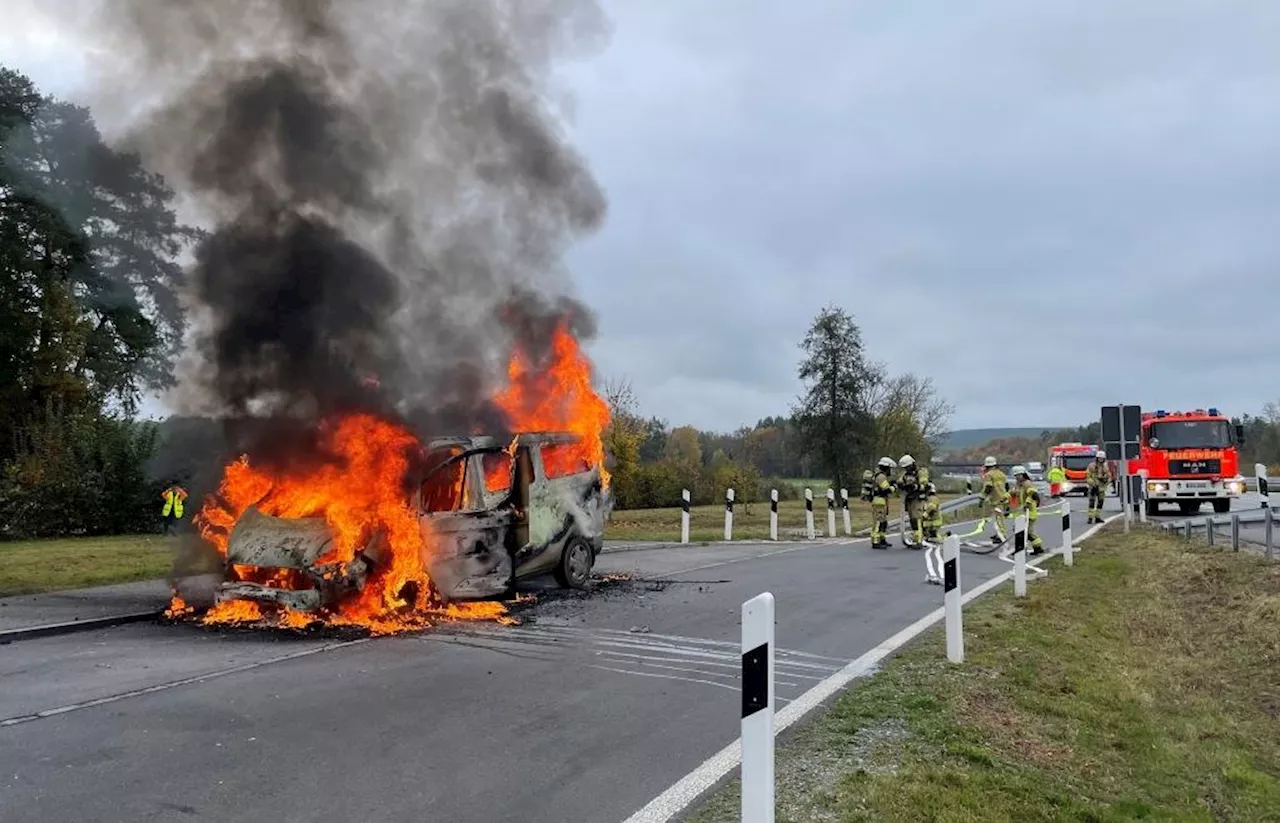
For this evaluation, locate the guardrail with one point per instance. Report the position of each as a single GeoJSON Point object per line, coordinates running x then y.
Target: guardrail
{"type": "Point", "coordinates": [1209, 524]}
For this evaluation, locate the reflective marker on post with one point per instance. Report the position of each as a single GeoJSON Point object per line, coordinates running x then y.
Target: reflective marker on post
{"type": "Point", "coordinates": [1020, 556]}
{"type": "Point", "coordinates": [1068, 550]}
{"type": "Point", "coordinates": [728, 514]}
{"type": "Point", "coordinates": [773, 514]}
{"type": "Point", "coordinates": [684, 516]}
{"type": "Point", "coordinates": [1264, 491]}
{"type": "Point", "coordinates": [844, 507]}
{"type": "Point", "coordinates": [757, 709]}
{"type": "Point", "coordinates": [952, 598]}
{"type": "Point", "coordinates": [831, 512]}
{"type": "Point", "coordinates": [808, 513]}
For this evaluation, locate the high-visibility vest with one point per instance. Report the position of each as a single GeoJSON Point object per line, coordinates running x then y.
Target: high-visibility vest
{"type": "Point", "coordinates": [172, 504]}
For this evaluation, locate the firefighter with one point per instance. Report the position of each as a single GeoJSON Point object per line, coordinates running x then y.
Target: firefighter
{"type": "Point", "coordinates": [911, 487]}
{"type": "Point", "coordinates": [995, 494]}
{"type": "Point", "coordinates": [932, 513]}
{"type": "Point", "coordinates": [1056, 478]}
{"type": "Point", "coordinates": [173, 495]}
{"type": "Point", "coordinates": [882, 489]}
{"type": "Point", "coordinates": [1029, 497]}
{"type": "Point", "coordinates": [1098, 478]}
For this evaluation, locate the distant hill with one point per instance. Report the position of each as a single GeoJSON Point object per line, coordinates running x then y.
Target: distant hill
{"type": "Point", "coordinates": [968, 438]}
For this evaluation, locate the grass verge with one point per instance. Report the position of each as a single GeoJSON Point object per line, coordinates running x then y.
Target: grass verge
{"type": "Point", "coordinates": [1143, 684]}
{"type": "Point", "coordinates": [750, 522]}
{"type": "Point", "coordinates": [31, 566]}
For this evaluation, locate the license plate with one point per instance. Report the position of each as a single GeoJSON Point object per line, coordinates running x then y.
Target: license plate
{"type": "Point", "coordinates": [1197, 484]}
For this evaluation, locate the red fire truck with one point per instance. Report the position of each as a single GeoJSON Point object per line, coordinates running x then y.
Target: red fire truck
{"type": "Point", "coordinates": [1190, 458]}
{"type": "Point", "coordinates": [1074, 460]}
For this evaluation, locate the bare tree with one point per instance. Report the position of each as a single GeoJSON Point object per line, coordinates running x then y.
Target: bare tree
{"type": "Point", "coordinates": [919, 399]}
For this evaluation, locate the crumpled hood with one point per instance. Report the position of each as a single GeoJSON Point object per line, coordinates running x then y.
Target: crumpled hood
{"type": "Point", "coordinates": [262, 540]}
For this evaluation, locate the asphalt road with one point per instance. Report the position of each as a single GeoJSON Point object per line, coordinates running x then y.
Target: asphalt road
{"type": "Point", "coordinates": [585, 713]}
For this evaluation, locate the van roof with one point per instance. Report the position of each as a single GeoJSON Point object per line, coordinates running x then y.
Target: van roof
{"type": "Point", "coordinates": [487, 441]}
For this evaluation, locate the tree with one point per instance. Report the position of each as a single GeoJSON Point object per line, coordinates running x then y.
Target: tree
{"type": "Point", "coordinates": [913, 399]}
{"type": "Point", "coordinates": [622, 442]}
{"type": "Point", "coordinates": [833, 416]}
{"type": "Point", "coordinates": [683, 446]}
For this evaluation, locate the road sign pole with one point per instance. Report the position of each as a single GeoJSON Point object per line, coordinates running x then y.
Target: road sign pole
{"type": "Point", "coordinates": [1123, 487]}
{"type": "Point", "coordinates": [1264, 489]}
{"type": "Point", "coordinates": [808, 513]}
{"type": "Point", "coordinates": [831, 512]}
{"type": "Point", "coordinates": [844, 507]}
{"type": "Point", "coordinates": [684, 516]}
{"type": "Point", "coordinates": [757, 709]}
{"type": "Point", "coordinates": [728, 514]}
{"type": "Point", "coordinates": [1068, 550]}
{"type": "Point", "coordinates": [1020, 556]}
{"type": "Point", "coordinates": [773, 514]}
{"type": "Point", "coordinates": [952, 598]}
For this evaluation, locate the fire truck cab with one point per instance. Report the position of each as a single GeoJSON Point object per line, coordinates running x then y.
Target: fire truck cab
{"type": "Point", "coordinates": [1073, 459]}
{"type": "Point", "coordinates": [1190, 458]}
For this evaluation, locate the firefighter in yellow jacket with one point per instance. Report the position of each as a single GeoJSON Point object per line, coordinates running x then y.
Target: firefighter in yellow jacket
{"type": "Point", "coordinates": [1029, 499]}
{"type": "Point", "coordinates": [881, 490]}
{"type": "Point", "coordinates": [173, 497]}
{"type": "Point", "coordinates": [932, 513]}
{"type": "Point", "coordinates": [1098, 479]}
{"type": "Point", "coordinates": [995, 497]}
{"type": "Point", "coordinates": [911, 485]}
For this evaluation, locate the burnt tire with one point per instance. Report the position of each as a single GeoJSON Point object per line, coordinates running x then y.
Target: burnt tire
{"type": "Point", "coordinates": [576, 559]}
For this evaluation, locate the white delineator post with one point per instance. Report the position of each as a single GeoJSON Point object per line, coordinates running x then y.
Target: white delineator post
{"type": "Point", "coordinates": [808, 513]}
{"type": "Point", "coordinates": [1020, 556]}
{"type": "Point", "coordinates": [684, 515]}
{"type": "Point", "coordinates": [952, 598]}
{"type": "Point", "coordinates": [1068, 550]}
{"type": "Point", "coordinates": [757, 709]}
{"type": "Point", "coordinates": [844, 507]}
{"type": "Point", "coordinates": [1264, 490]}
{"type": "Point", "coordinates": [831, 512]}
{"type": "Point", "coordinates": [728, 514]}
{"type": "Point", "coordinates": [773, 514]}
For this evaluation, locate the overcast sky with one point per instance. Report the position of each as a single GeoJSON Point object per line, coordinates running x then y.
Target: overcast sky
{"type": "Point", "coordinates": [1044, 206]}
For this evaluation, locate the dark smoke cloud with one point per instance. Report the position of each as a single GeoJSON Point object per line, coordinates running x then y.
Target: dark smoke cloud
{"type": "Point", "coordinates": [390, 193]}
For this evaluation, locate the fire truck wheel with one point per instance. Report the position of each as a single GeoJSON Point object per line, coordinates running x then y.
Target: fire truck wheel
{"type": "Point", "coordinates": [1189, 507]}
{"type": "Point", "coordinates": [574, 569]}
{"type": "Point", "coordinates": [1153, 508]}
{"type": "Point", "coordinates": [1222, 506]}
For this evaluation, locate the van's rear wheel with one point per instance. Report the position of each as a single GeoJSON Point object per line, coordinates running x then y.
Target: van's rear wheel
{"type": "Point", "coordinates": [574, 568]}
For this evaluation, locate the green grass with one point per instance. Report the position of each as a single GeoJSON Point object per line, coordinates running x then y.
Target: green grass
{"type": "Point", "coordinates": [51, 565]}
{"type": "Point", "coordinates": [750, 522]}
{"type": "Point", "coordinates": [1143, 684]}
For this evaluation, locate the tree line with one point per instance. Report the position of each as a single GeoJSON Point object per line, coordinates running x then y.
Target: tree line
{"type": "Point", "coordinates": [850, 413]}
{"type": "Point", "coordinates": [89, 319]}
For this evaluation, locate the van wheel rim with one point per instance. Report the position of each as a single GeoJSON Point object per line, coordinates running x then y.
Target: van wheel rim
{"type": "Point", "coordinates": [579, 562]}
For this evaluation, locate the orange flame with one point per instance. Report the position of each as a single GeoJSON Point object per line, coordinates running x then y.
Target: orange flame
{"type": "Point", "coordinates": [360, 495]}
{"type": "Point", "coordinates": [558, 396]}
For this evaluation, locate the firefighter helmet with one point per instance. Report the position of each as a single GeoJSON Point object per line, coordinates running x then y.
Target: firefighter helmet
{"type": "Point", "coordinates": [1101, 456]}
{"type": "Point", "coordinates": [1020, 471]}
{"type": "Point", "coordinates": [886, 463]}
{"type": "Point", "coordinates": [989, 463]}
{"type": "Point", "coordinates": [907, 460]}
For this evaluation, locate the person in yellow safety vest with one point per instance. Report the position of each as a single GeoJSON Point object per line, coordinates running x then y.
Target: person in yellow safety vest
{"type": "Point", "coordinates": [932, 513]}
{"type": "Point", "coordinates": [1056, 478]}
{"type": "Point", "coordinates": [881, 490]}
{"type": "Point", "coordinates": [1098, 478]}
{"type": "Point", "coordinates": [995, 497]}
{"type": "Point", "coordinates": [1029, 496]}
{"type": "Point", "coordinates": [911, 486]}
{"type": "Point", "coordinates": [172, 511]}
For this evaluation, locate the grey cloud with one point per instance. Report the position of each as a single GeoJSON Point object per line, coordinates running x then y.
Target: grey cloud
{"type": "Point", "coordinates": [1096, 180]}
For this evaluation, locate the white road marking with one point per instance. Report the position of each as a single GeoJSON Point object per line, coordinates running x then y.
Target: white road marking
{"type": "Point", "coordinates": [692, 786]}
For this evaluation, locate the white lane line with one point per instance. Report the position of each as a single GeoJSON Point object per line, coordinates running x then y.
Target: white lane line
{"type": "Point", "coordinates": [689, 788]}
{"type": "Point", "coordinates": [160, 687]}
